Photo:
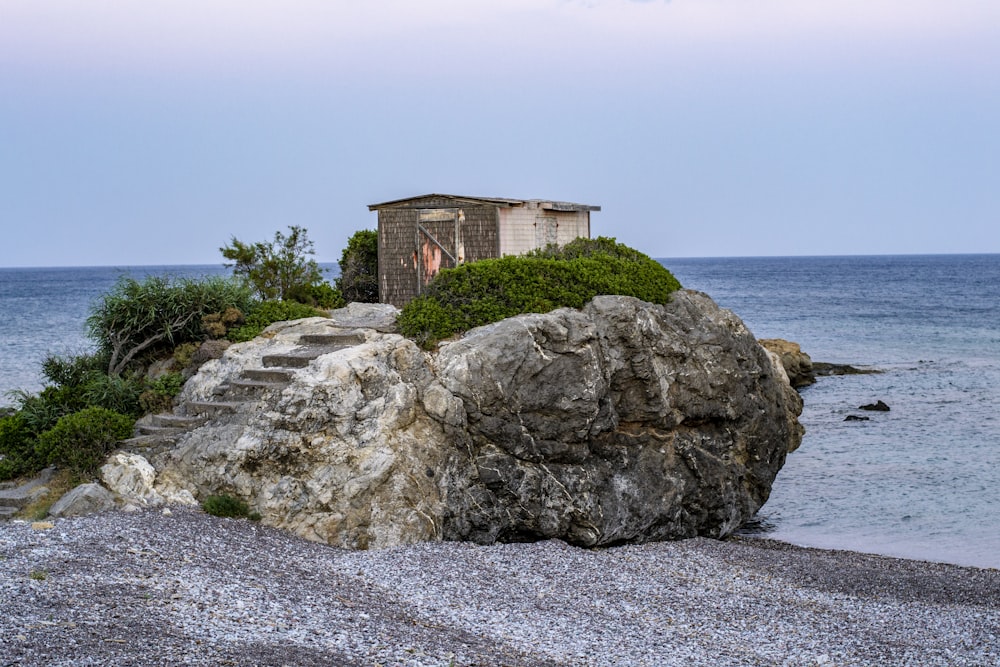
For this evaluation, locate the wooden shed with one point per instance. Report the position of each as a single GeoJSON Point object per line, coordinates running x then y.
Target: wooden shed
{"type": "Point", "coordinates": [419, 236]}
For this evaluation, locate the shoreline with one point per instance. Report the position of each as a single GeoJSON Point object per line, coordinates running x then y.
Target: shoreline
{"type": "Point", "coordinates": [188, 588]}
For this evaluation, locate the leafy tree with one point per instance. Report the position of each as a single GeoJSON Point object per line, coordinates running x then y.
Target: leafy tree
{"type": "Point", "coordinates": [358, 279]}
{"type": "Point", "coordinates": [277, 270]}
{"type": "Point", "coordinates": [138, 318]}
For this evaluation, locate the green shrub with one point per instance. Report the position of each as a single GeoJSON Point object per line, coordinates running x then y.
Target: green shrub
{"type": "Point", "coordinates": [183, 354]}
{"type": "Point", "coordinates": [487, 291]}
{"type": "Point", "coordinates": [73, 370]}
{"type": "Point", "coordinates": [82, 440]}
{"type": "Point", "coordinates": [17, 447]}
{"type": "Point", "coordinates": [269, 312]}
{"type": "Point", "coordinates": [40, 412]}
{"type": "Point", "coordinates": [120, 394]}
{"type": "Point", "coordinates": [225, 506]}
{"type": "Point", "coordinates": [136, 320]}
{"type": "Point", "coordinates": [159, 394]}
{"type": "Point", "coordinates": [319, 295]}
{"type": "Point", "coordinates": [115, 393]}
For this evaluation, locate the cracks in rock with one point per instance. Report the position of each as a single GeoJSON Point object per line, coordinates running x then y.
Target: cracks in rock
{"type": "Point", "coordinates": [556, 480]}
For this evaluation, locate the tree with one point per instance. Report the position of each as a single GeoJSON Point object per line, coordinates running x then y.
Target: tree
{"type": "Point", "coordinates": [137, 318]}
{"type": "Point", "coordinates": [358, 279]}
{"type": "Point", "coordinates": [277, 270]}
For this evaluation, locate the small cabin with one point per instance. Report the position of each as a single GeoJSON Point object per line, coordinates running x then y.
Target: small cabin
{"type": "Point", "coordinates": [419, 236]}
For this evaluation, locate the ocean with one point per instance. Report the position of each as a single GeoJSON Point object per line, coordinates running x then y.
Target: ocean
{"type": "Point", "coordinates": [920, 481]}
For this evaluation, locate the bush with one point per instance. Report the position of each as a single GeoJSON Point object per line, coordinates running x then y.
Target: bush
{"type": "Point", "coordinates": [139, 319]}
{"type": "Point", "coordinates": [82, 440]}
{"type": "Point", "coordinates": [74, 370]}
{"type": "Point", "coordinates": [17, 447]}
{"type": "Point", "coordinates": [41, 412]}
{"type": "Point", "coordinates": [77, 385]}
{"type": "Point", "coordinates": [320, 295]}
{"type": "Point", "coordinates": [358, 279]}
{"type": "Point", "coordinates": [490, 290]}
{"type": "Point", "coordinates": [217, 325]}
{"type": "Point", "coordinates": [225, 506]}
{"type": "Point", "coordinates": [159, 394]}
{"type": "Point", "coordinates": [269, 312]}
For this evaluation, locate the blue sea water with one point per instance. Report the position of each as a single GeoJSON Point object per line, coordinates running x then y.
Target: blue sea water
{"type": "Point", "coordinates": [921, 481]}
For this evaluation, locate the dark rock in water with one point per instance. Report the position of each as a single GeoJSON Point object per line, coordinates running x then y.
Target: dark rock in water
{"type": "Point", "coordinates": [797, 364]}
{"type": "Point", "coordinates": [822, 368]}
{"type": "Point", "coordinates": [878, 406]}
{"type": "Point", "coordinates": [856, 418]}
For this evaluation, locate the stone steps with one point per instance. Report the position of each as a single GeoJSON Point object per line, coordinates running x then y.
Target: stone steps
{"type": "Point", "coordinates": [211, 408]}
{"type": "Point", "coordinates": [150, 442]}
{"type": "Point", "coordinates": [158, 433]}
{"type": "Point", "coordinates": [272, 375]}
{"type": "Point", "coordinates": [332, 340]}
{"type": "Point", "coordinates": [151, 429]}
{"type": "Point", "coordinates": [243, 388]}
{"type": "Point", "coordinates": [170, 420]}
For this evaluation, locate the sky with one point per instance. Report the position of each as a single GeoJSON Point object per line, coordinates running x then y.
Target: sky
{"type": "Point", "coordinates": [153, 132]}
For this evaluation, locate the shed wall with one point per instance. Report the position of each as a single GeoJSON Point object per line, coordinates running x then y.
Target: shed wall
{"type": "Point", "coordinates": [524, 229]}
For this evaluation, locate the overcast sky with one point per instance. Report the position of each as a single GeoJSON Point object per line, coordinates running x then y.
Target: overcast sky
{"type": "Point", "coordinates": [152, 131]}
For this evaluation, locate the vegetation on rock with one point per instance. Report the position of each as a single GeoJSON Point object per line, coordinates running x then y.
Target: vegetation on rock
{"type": "Point", "coordinates": [490, 290]}
{"type": "Point", "coordinates": [226, 506]}
{"type": "Point", "coordinates": [138, 319]}
{"type": "Point", "coordinates": [269, 312]}
{"type": "Point", "coordinates": [159, 394]}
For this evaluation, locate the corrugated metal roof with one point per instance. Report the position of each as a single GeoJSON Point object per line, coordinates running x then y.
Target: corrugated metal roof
{"type": "Point", "coordinates": [544, 204]}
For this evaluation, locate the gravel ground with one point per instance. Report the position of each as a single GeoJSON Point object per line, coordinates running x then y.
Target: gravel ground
{"type": "Point", "coordinates": [186, 588]}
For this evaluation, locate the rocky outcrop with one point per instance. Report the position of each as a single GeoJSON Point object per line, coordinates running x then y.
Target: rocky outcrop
{"type": "Point", "coordinates": [623, 421]}
{"type": "Point", "coordinates": [796, 363]}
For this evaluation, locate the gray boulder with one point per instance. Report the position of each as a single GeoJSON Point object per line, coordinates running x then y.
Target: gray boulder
{"type": "Point", "coordinates": [82, 500]}
{"type": "Point", "coordinates": [621, 422]}
{"type": "Point", "coordinates": [625, 421]}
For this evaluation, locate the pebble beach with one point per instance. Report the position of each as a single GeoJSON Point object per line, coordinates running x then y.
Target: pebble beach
{"type": "Point", "coordinates": [185, 588]}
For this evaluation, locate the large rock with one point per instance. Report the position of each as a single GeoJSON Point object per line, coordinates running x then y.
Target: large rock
{"type": "Point", "coordinates": [797, 364]}
{"type": "Point", "coordinates": [132, 477]}
{"type": "Point", "coordinates": [621, 422]}
{"type": "Point", "coordinates": [82, 500]}
{"type": "Point", "coordinates": [624, 421]}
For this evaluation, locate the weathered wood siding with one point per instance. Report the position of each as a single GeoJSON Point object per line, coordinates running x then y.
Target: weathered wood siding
{"type": "Point", "coordinates": [423, 236]}
{"type": "Point", "coordinates": [396, 255]}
